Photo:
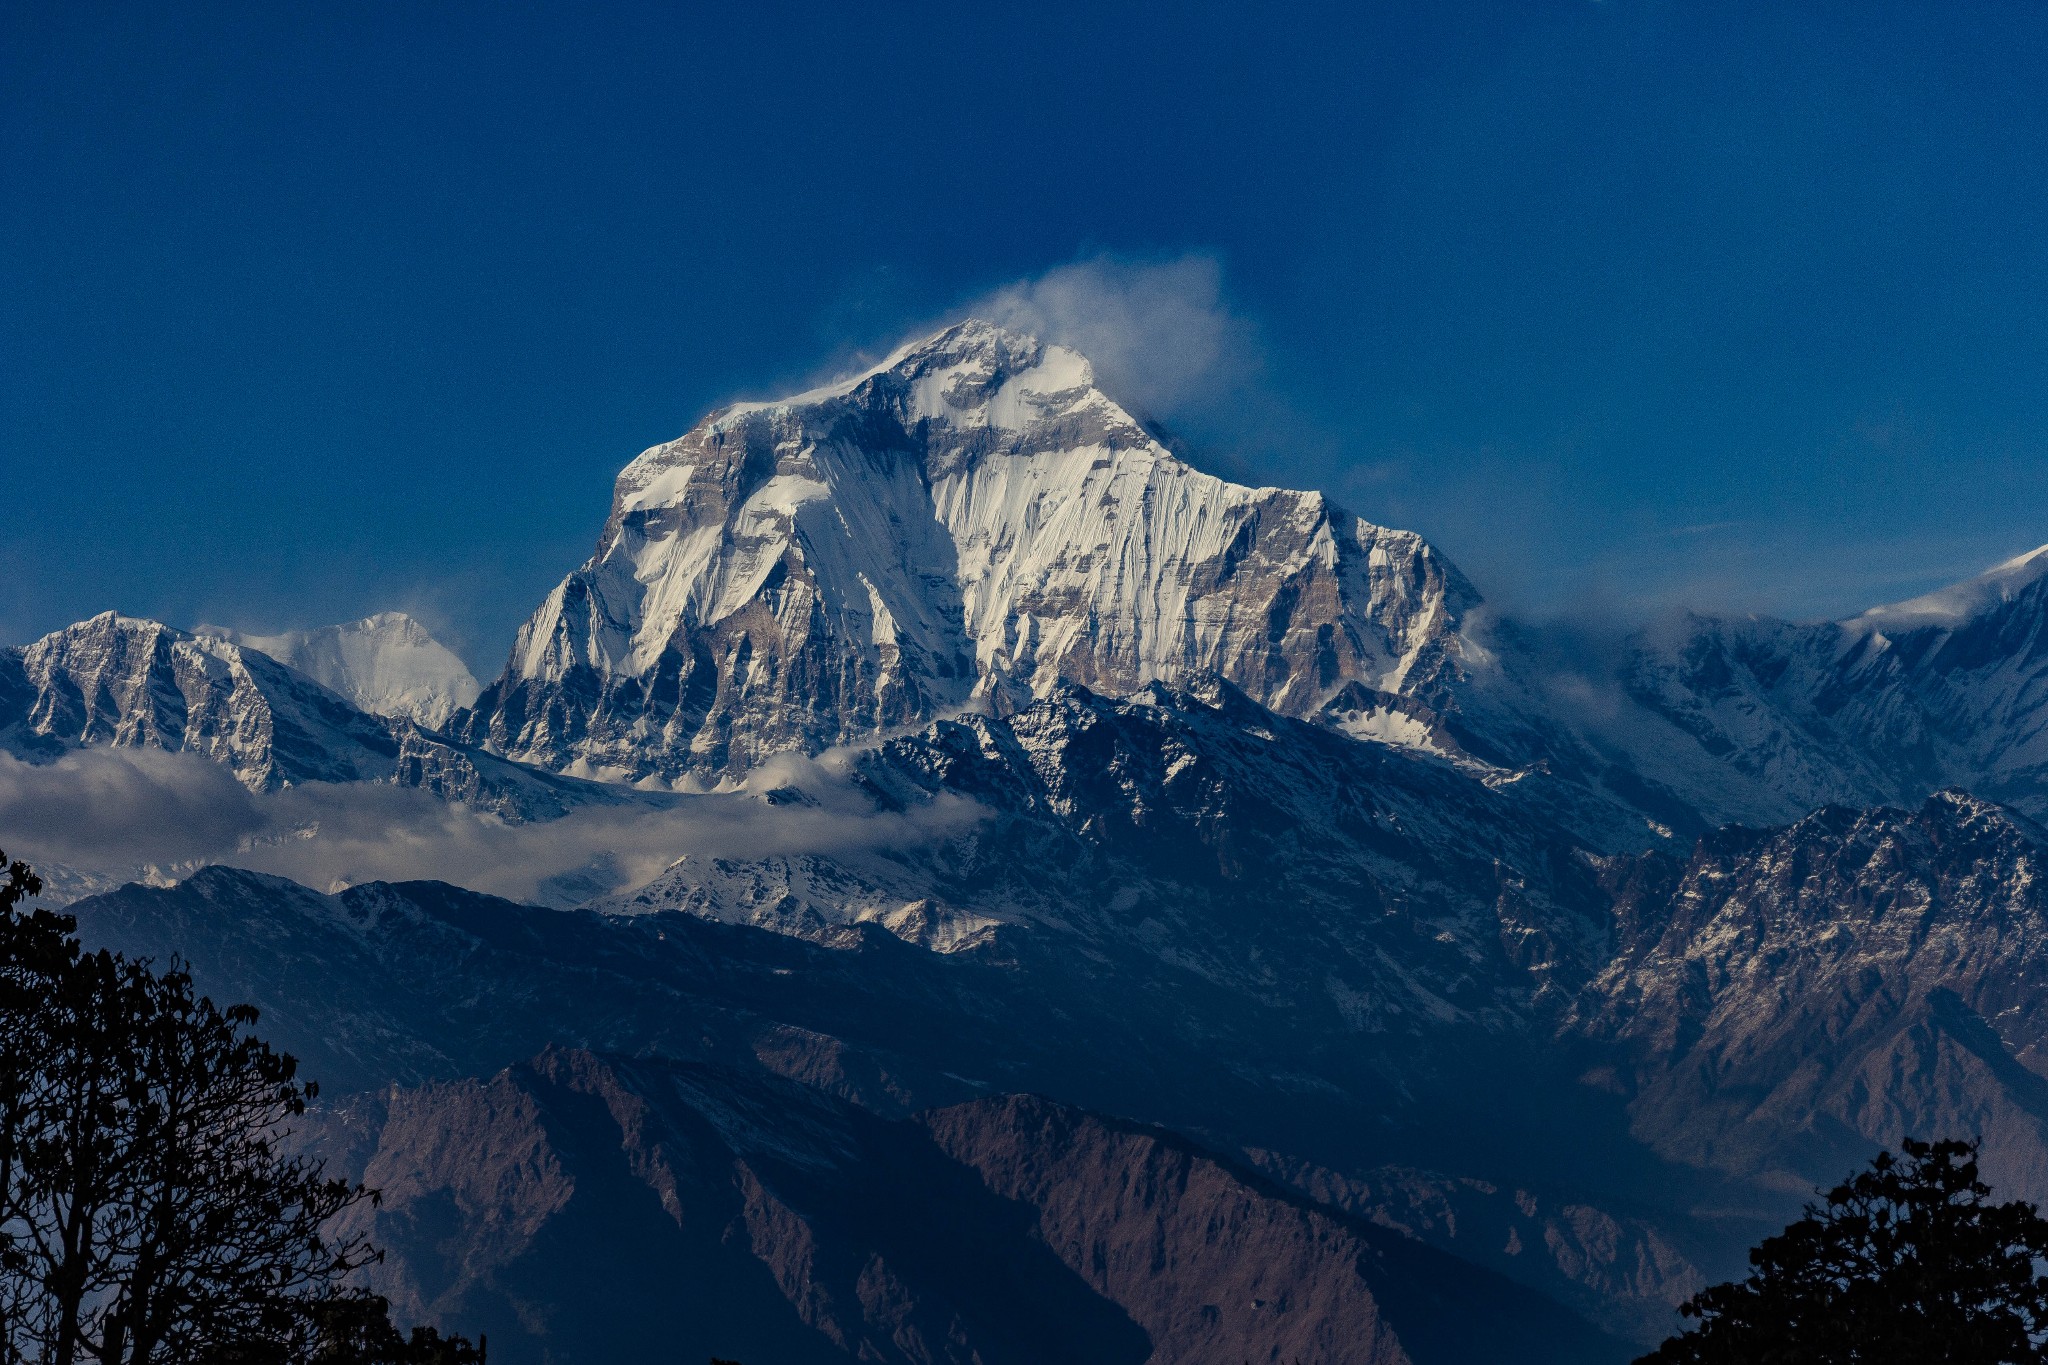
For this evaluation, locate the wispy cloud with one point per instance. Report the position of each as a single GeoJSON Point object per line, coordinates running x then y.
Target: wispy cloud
{"type": "Point", "coordinates": [1161, 334]}
{"type": "Point", "coordinates": [118, 812]}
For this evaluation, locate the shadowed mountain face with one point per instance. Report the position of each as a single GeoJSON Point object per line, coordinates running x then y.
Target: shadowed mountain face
{"type": "Point", "coordinates": [1783, 999]}
{"type": "Point", "coordinates": [1623, 1272]}
{"type": "Point", "coordinates": [384, 983]}
{"type": "Point", "coordinates": [758, 1219]}
{"type": "Point", "coordinates": [1188, 909]}
{"type": "Point", "coordinates": [416, 981]}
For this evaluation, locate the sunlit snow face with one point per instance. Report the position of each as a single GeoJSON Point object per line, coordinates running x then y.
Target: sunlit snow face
{"type": "Point", "coordinates": [971, 519]}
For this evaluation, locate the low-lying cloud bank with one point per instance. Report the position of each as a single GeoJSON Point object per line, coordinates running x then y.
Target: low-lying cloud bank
{"type": "Point", "coordinates": [101, 816]}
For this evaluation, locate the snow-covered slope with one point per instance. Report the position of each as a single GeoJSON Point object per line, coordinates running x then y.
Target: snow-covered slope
{"type": "Point", "coordinates": [970, 521]}
{"type": "Point", "coordinates": [1957, 606]}
{"type": "Point", "coordinates": [1950, 689]}
{"type": "Point", "coordinates": [1975, 659]}
{"type": "Point", "coordinates": [387, 664]}
{"type": "Point", "coordinates": [128, 682]}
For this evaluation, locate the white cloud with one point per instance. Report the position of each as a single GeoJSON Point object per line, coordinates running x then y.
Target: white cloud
{"type": "Point", "coordinates": [1162, 337]}
{"type": "Point", "coordinates": [117, 813]}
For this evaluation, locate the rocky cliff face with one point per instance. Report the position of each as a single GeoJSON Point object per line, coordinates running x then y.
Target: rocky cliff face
{"type": "Point", "coordinates": [971, 521]}
{"type": "Point", "coordinates": [774, 1223]}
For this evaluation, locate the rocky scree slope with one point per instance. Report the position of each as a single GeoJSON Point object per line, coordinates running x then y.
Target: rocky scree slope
{"type": "Point", "coordinates": [1783, 1000]}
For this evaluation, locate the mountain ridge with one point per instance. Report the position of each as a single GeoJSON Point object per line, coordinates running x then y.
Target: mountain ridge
{"type": "Point", "coordinates": [972, 523]}
{"type": "Point", "coordinates": [773, 1219]}
{"type": "Point", "coordinates": [1764, 1011]}
{"type": "Point", "coordinates": [128, 682]}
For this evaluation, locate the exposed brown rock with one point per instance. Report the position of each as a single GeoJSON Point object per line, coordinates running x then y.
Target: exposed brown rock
{"type": "Point", "coordinates": [585, 1209]}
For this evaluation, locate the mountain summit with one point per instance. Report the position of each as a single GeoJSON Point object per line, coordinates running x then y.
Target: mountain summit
{"type": "Point", "coordinates": [970, 522]}
{"type": "Point", "coordinates": [387, 664]}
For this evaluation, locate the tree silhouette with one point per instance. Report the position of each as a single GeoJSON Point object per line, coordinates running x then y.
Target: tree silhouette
{"type": "Point", "coordinates": [150, 1210]}
{"type": "Point", "coordinates": [350, 1328]}
{"type": "Point", "coordinates": [1907, 1261]}
{"type": "Point", "coordinates": [355, 1329]}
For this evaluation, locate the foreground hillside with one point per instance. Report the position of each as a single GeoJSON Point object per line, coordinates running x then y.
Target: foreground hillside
{"type": "Point", "coordinates": [772, 1222]}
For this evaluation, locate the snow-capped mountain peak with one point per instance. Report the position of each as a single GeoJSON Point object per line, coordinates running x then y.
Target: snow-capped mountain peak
{"type": "Point", "coordinates": [970, 522]}
{"type": "Point", "coordinates": [1959, 602]}
{"type": "Point", "coordinates": [125, 681]}
{"type": "Point", "coordinates": [971, 371]}
{"type": "Point", "coordinates": [387, 664]}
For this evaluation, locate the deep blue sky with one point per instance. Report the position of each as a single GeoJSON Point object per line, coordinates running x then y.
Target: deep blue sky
{"type": "Point", "coordinates": [1624, 303]}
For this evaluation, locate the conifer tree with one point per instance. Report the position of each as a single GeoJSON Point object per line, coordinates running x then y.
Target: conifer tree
{"type": "Point", "coordinates": [1907, 1262]}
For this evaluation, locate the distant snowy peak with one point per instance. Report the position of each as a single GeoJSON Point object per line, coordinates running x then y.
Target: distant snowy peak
{"type": "Point", "coordinates": [1768, 719]}
{"type": "Point", "coordinates": [1959, 603]}
{"type": "Point", "coordinates": [387, 664]}
{"type": "Point", "coordinates": [133, 683]}
{"type": "Point", "coordinates": [126, 682]}
{"type": "Point", "coordinates": [971, 521]}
